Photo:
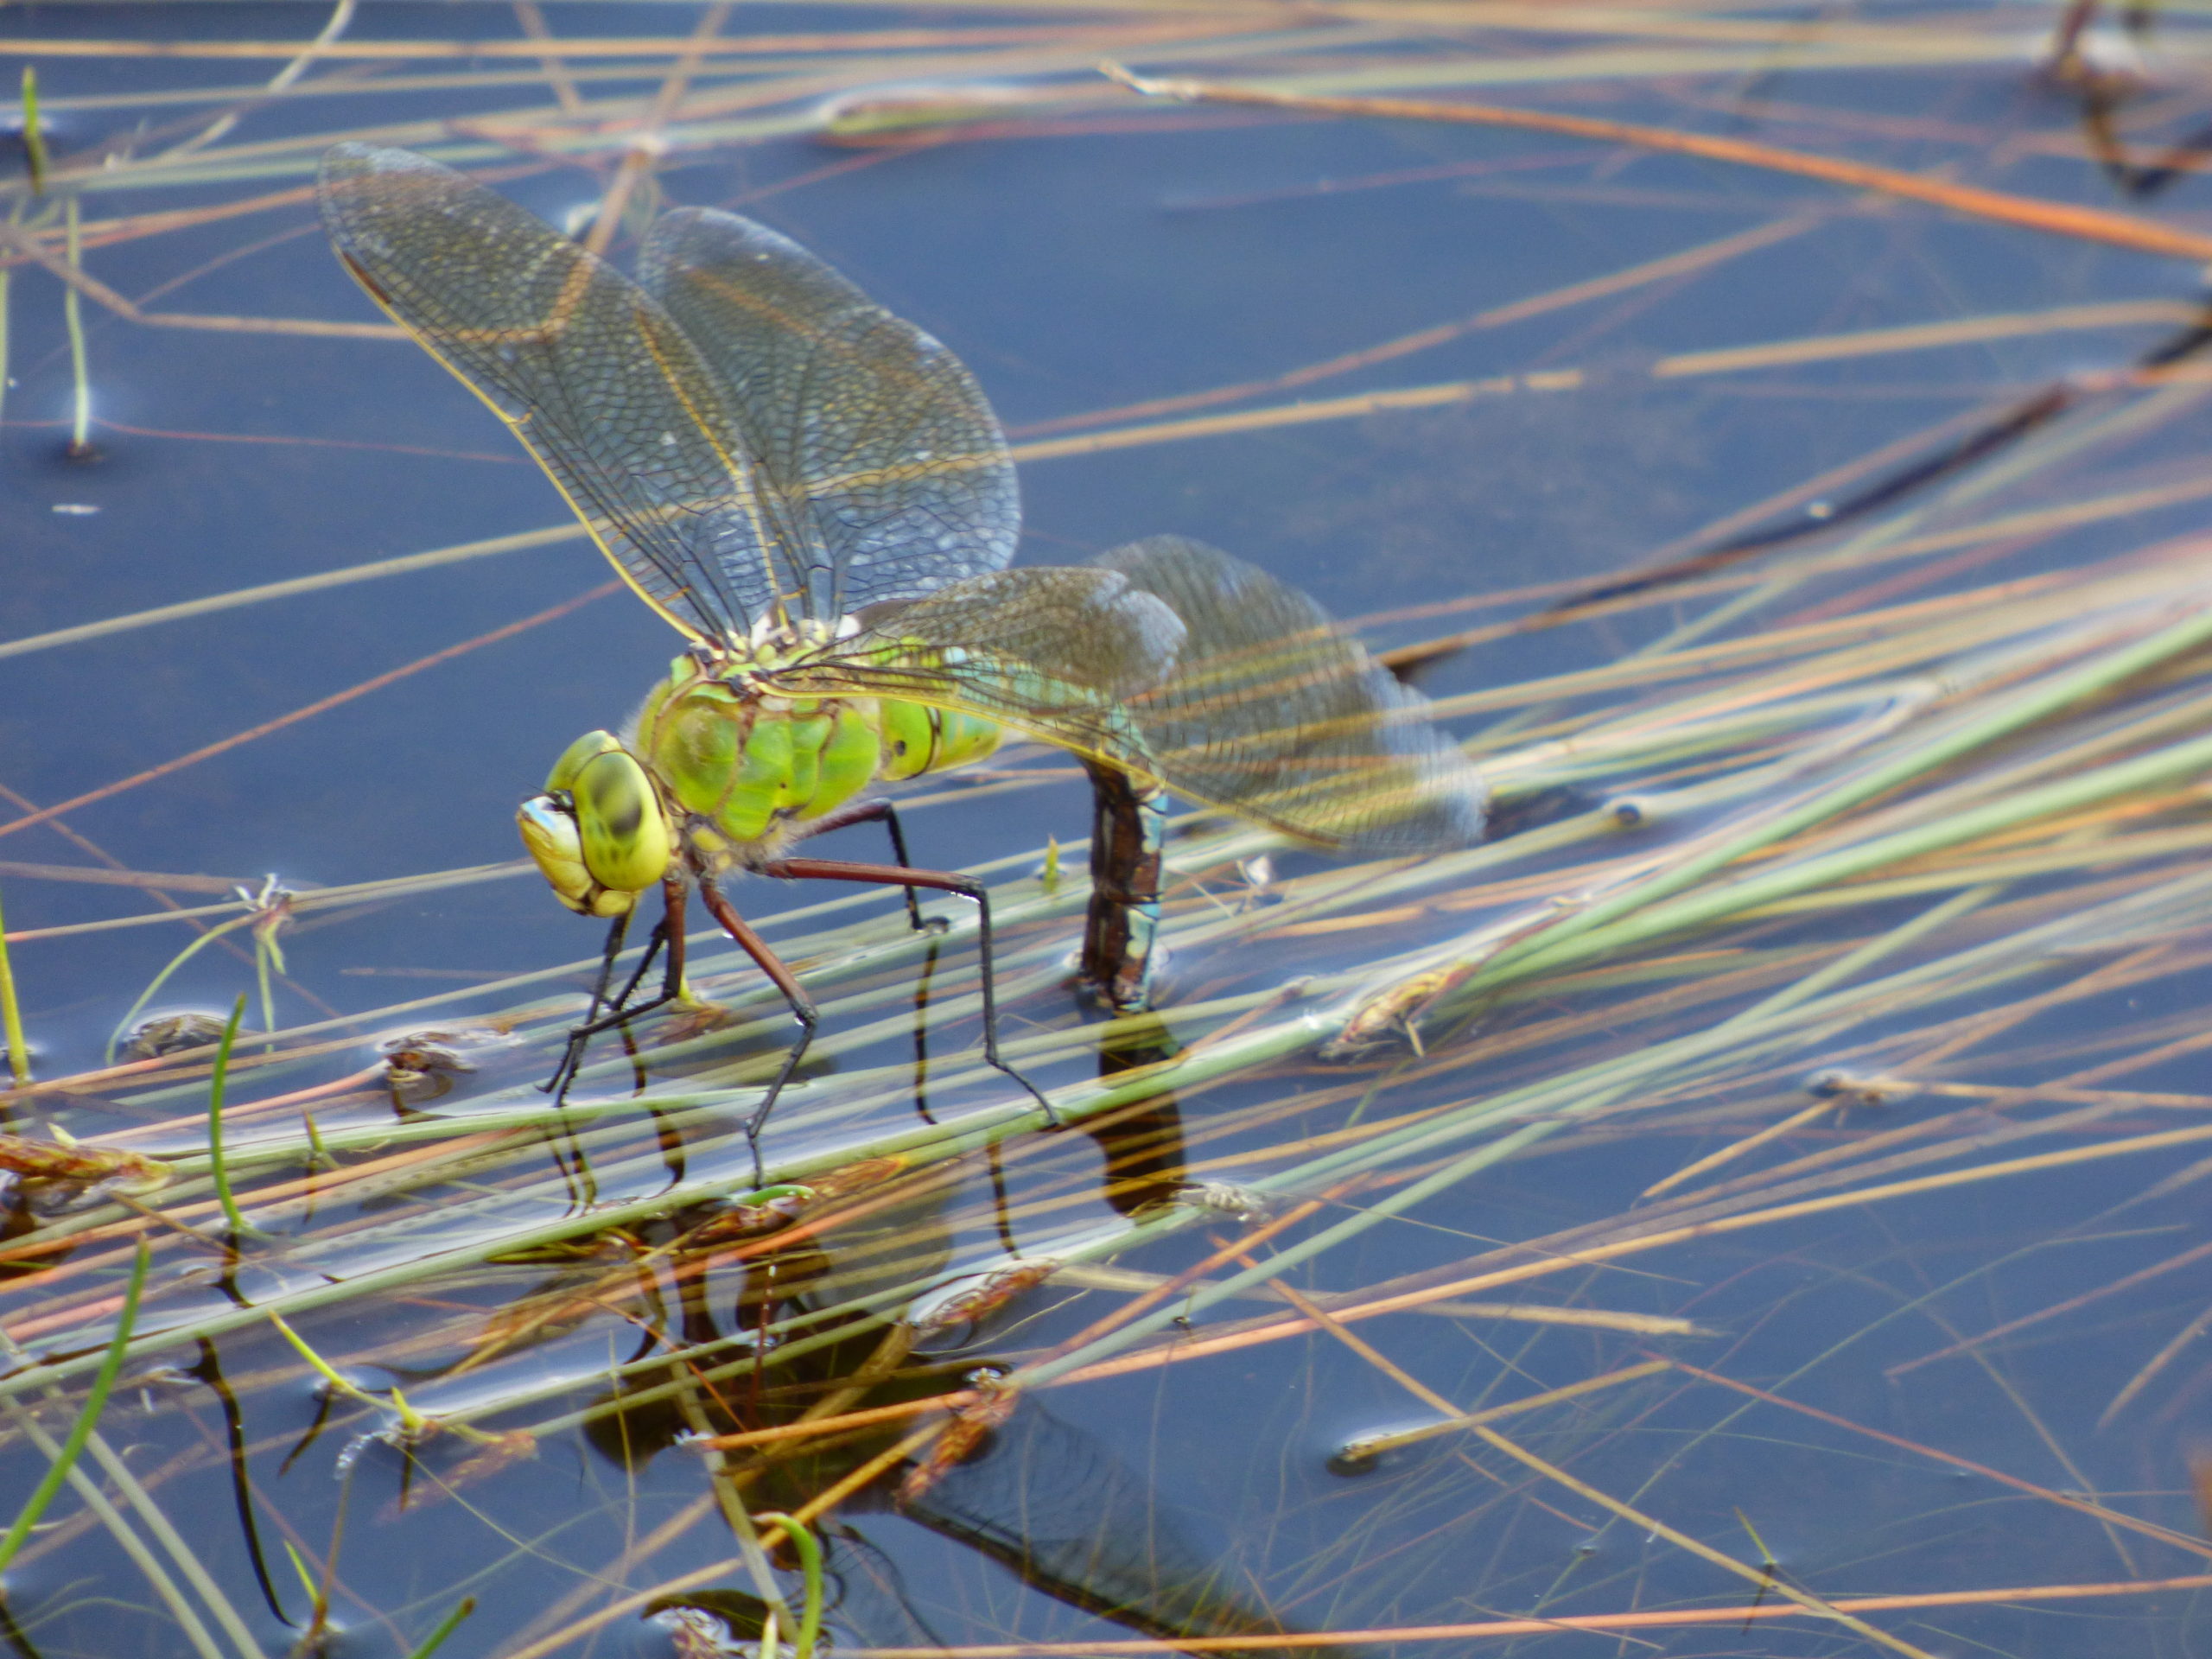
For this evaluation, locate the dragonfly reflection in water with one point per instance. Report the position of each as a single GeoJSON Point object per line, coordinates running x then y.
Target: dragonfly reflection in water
{"type": "Point", "coordinates": [818, 497]}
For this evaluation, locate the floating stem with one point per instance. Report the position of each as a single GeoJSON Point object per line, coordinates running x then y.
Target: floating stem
{"type": "Point", "coordinates": [318, 1603]}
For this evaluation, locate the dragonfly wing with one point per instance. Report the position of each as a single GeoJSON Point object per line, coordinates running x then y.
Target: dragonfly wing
{"type": "Point", "coordinates": [878, 439]}
{"type": "Point", "coordinates": [591, 374]}
{"type": "Point", "coordinates": [1274, 712]}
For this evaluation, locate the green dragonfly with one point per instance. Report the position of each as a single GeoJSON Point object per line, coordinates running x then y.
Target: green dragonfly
{"type": "Point", "coordinates": [818, 497]}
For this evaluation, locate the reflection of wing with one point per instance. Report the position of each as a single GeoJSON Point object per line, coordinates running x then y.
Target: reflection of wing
{"type": "Point", "coordinates": [1175, 661]}
{"type": "Point", "coordinates": [1049, 1501]}
{"type": "Point", "coordinates": [875, 434]}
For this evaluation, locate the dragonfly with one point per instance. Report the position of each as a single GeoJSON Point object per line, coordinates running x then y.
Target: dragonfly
{"type": "Point", "coordinates": [817, 496]}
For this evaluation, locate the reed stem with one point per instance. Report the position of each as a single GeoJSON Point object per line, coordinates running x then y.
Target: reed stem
{"type": "Point", "coordinates": [80, 376]}
{"type": "Point", "coordinates": [89, 1417]}
{"type": "Point", "coordinates": [11, 1015]}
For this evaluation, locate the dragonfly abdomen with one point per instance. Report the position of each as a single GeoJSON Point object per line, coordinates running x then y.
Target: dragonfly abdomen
{"type": "Point", "coordinates": [920, 738]}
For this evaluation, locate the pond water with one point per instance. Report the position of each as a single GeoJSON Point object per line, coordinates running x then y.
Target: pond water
{"type": "Point", "coordinates": [1919, 1371]}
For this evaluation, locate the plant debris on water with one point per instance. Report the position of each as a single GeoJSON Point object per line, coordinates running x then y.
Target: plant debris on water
{"type": "Point", "coordinates": [1749, 1202]}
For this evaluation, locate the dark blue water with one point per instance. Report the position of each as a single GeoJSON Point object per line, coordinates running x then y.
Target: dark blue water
{"type": "Point", "coordinates": [1078, 271]}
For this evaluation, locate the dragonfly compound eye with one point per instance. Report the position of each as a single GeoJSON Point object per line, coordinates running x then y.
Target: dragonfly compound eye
{"type": "Point", "coordinates": [578, 755]}
{"type": "Point", "coordinates": [626, 839]}
{"type": "Point", "coordinates": [602, 839]}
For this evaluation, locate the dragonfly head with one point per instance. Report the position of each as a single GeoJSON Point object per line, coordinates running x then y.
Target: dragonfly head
{"type": "Point", "coordinates": [598, 833]}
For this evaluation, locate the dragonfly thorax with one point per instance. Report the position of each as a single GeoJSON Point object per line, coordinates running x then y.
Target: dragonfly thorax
{"type": "Point", "coordinates": [742, 766]}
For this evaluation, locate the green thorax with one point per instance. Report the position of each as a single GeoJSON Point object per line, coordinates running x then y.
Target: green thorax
{"type": "Point", "coordinates": [742, 766]}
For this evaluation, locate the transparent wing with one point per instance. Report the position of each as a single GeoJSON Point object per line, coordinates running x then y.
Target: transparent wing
{"type": "Point", "coordinates": [593, 375]}
{"type": "Point", "coordinates": [1274, 712]}
{"type": "Point", "coordinates": [1175, 661]}
{"type": "Point", "coordinates": [878, 439]}
{"type": "Point", "coordinates": [768, 443]}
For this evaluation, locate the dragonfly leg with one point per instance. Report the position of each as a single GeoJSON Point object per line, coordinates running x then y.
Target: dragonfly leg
{"type": "Point", "coordinates": [668, 934]}
{"type": "Point", "coordinates": [879, 810]}
{"type": "Point", "coordinates": [802, 1006]}
{"type": "Point", "coordinates": [884, 812]}
{"type": "Point", "coordinates": [557, 1085]}
{"type": "Point", "coordinates": [824, 870]}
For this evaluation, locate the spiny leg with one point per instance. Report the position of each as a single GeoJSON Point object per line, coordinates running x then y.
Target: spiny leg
{"type": "Point", "coordinates": [802, 1007]}
{"type": "Point", "coordinates": [823, 869]}
{"type": "Point", "coordinates": [884, 812]}
{"type": "Point", "coordinates": [557, 1085]}
{"type": "Point", "coordinates": [922, 1034]}
{"type": "Point", "coordinates": [879, 810]}
{"type": "Point", "coordinates": [580, 1036]}
{"type": "Point", "coordinates": [668, 934]}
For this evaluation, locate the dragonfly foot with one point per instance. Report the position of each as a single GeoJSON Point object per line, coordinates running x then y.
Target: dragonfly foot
{"type": "Point", "coordinates": [565, 1072]}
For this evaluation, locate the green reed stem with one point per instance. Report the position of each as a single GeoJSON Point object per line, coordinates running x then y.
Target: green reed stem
{"type": "Point", "coordinates": [411, 1420]}
{"type": "Point", "coordinates": [1741, 1042]}
{"type": "Point", "coordinates": [88, 1418]}
{"type": "Point", "coordinates": [188, 1621]}
{"type": "Point", "coordinates": [12, 1016]}
{"type": "Point", "coordinates": [447, 1626]}
{"type": "Point", "coordinates": [2167, 766]}
{"type": "Point", "coordinates": [809, 1550]}
{"type": "Point", "coordinates": [1847, 965]}
{"type": "Point", "coordinates": [263, 949]}
{"type": "Point", "coordinates": [217, 1169]}
{"type": "Point", "coordinates": [34, 134]}
{"type": "Point", "coordinates": [318, 1604]}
